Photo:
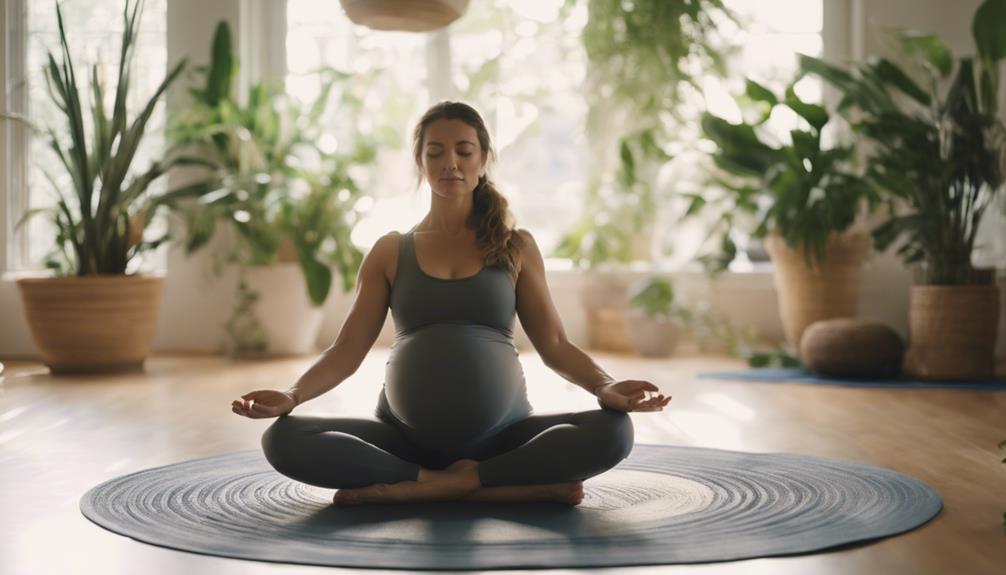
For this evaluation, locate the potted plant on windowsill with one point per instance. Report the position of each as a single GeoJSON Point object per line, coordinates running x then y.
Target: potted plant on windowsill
{"type": "Point", "coordinates": [97, 315]}
{"type": "Point", "coordinates": [292, 222]}
{"type": "Point", "coordinates": [804, 200]}
{"type": "Point", "coordinates": [641, 58]}
{"type": "Point", "coordinates": [938, 153]}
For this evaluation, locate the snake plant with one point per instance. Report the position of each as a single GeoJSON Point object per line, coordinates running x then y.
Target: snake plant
{"type": "Point", "coordinates": [101, 218]}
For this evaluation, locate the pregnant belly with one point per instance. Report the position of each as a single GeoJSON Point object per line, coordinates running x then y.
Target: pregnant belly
{"type": "Point", "coordinates": [455, 384]}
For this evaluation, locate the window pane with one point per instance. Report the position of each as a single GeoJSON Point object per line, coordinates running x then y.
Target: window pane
{"type": "Point", "coordinates": [391, 69]}
{"type": "Point", "coordinates": [94, 31]}
{"type": "Point", "coordinates": [532, 102]}
{"type": "Point", "coordinates": [528, 95]}
{"type": "Point", "coordinates": [770, 34]}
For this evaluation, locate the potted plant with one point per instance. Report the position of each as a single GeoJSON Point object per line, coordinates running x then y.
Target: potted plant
{"type": "Point", "coordinates": [656, 318]}
{"type": "Point", "coordinates": [803, 200]}
{"type": "Point", "coordinates": [292, 223]}
{"type": "Point", "coordinates": [97, 314]}
{"type": "Point", "coordinates": [641, 57]}
{"type": "Point", "coordinates": [938, 153]}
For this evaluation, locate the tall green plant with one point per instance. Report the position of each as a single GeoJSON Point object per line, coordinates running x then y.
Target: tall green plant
{"type": "Point", "coordinates": [643, 56]}
{"type": "Point", "coordinates": [256, 182]}
{"type": "Point", "coordinates": [99, 217]}
{"type": "Point", "coordinates": [799, 189]}
{"type": "Point", "coordinates": [939, 142]}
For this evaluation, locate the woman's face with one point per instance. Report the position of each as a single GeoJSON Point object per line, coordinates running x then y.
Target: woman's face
{"type": "Point", "coordinates": [451, 158]}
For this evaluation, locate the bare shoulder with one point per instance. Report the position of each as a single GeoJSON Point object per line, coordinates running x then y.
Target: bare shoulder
{"type": "Point", "coordinates": [385, 254]}
{"type": "Point", "coordinates": [527, 243]}
{"type": "Point", "coordinates": [530, 254]}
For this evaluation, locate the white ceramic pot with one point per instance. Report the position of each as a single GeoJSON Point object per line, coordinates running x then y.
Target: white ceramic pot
{"type": "Point", "coordinates": [283, 308]}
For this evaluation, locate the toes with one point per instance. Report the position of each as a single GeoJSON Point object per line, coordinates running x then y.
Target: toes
{"type": "Point", "coordinates": [344, 497]}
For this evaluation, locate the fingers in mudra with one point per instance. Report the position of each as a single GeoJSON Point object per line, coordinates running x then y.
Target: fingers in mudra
{"type": "Point", "coordinates": [263, 403]}
{"type": "Point", "coordinates": [655, 403]}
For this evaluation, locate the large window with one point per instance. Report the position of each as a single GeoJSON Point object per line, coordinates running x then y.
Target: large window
{"type": "Point", "coordinates": [527, 93]}
{"type": "Point", "coordinates": [94, 31]}
{"type": "Point", "coordinates": [520, 62]}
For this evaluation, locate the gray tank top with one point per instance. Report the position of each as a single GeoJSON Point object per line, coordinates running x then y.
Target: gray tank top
{"type": "Point", "coordinates": [418, 299]}
{"type": "Point", "coordinates": [453, 378]}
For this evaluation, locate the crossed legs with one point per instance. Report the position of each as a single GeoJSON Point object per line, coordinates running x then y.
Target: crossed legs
{"type": "Point", "coordinates": [542, 457]}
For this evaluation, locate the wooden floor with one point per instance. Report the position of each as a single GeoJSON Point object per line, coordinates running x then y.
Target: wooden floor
{"type": "Point", "coordinates": [60, 436]}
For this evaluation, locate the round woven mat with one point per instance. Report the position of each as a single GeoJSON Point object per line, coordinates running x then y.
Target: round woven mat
{"type": "Point", "coordinates": [661, 505]}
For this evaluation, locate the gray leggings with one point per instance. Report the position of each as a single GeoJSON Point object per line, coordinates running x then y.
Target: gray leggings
{"type": "Point", "coordinates": [346, 452]}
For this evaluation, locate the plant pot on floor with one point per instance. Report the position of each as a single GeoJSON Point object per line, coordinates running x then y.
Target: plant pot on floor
{"type": "Point", "coordinates": [952, 332]}
{"type": "Point", "coordinates": [602, 296]}
{"type": "Point", "coordinates": [808, 294]}
{"type": "Point", "coordinates": [652, 336]}
{"type": "Point", "coordinates": [92, 324]}
{"type": "Point", "coordinates": [273, 314]}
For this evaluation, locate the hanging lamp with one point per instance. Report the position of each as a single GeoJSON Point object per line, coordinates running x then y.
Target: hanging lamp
{"type": "Point", "coordinates": [404, 15]}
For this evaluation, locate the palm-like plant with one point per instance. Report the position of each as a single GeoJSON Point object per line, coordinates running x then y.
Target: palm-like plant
{"type": "Point", "coordinates": [938, 146]}
{"type": "Point", "coordinates": [799, 189]}
{"type": "Point", "coordinates": [102, 220]}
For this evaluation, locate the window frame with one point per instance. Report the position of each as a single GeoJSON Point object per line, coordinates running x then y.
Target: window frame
{"type": "Point", "coordinates": [15, 137]}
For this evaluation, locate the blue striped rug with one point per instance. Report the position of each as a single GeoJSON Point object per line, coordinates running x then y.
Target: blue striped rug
{"type": "Point", "coordinates": [797, 375]}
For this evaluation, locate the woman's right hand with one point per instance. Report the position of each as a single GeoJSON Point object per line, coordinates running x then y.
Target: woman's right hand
{"type": "Point", "coordinates": [264, 403]}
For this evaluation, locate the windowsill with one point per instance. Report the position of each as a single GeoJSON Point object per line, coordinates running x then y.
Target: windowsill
{"type": "Point", "coordinates": [553, 266]}
{"type": "Point", "coordinates": [13, 276]}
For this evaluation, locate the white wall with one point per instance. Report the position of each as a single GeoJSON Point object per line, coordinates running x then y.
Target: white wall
{"type": "Point", "coordinates": [196, 304]}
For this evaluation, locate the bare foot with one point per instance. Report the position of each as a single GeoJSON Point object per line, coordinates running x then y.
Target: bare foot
{"type": "Point", "coordinates": [431, 485]}
{"type": "Point", "coordinates": [462, 464]}
{"type": "Point", "coordinates": [567, 493]}
{"type": "Point", "coordinates": [570, 493]}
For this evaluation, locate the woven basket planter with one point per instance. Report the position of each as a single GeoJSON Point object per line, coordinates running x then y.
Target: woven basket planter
{"type": "Point", "coordinates": [809, 294]}
{"type": "Point", "coordinates": [92, 324]}
{"type": "Point", "coordinates": [952, 332]}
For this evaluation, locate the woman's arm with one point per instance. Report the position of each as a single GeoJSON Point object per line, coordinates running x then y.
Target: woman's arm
{"type": "Point", "coordinates": [541, 322]}
{"type": "Point", "coordinates": [359, 330]}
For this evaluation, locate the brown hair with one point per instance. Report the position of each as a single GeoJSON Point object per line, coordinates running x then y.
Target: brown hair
{"type": "Point", "coordinates": [495, 230]}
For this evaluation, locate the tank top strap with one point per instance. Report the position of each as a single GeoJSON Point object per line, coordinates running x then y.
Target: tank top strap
{"type": "Point", "coordinates": [407, 256]}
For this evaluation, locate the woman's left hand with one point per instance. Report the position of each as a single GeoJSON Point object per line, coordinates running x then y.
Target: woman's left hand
{"type": "Point", "coordinates": [630, 395]}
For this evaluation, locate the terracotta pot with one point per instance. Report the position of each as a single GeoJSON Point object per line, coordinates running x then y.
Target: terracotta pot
{"type": "Point", "coordinates": [952, 332]}
{"type": "Point", "coordinates": [92, 324]}
{"type": "Point", "coordinates": [652, 337]}
{"type": "Point", "coordinates": [603, 298]}
{"type": "Point", "coordinates": [809, 294]}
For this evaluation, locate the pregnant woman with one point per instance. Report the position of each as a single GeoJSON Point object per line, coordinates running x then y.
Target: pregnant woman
{"type": "Point", "coordinates": [453, 420]}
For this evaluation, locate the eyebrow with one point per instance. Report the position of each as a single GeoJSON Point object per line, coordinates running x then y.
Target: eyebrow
{"type": "Point", "coordinates": [441, 145]}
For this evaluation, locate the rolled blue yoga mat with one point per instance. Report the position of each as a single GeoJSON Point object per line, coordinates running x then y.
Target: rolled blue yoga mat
{"type": "Point", "coordinates": [798, 375]}
{"type": "Point", "coordinates": [661, 505]}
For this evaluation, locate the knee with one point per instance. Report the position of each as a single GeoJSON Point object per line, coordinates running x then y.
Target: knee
{"type": "Point", "coordinates": [278, 441]}
{"type": "Point", "coordinates": [612, 434]}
